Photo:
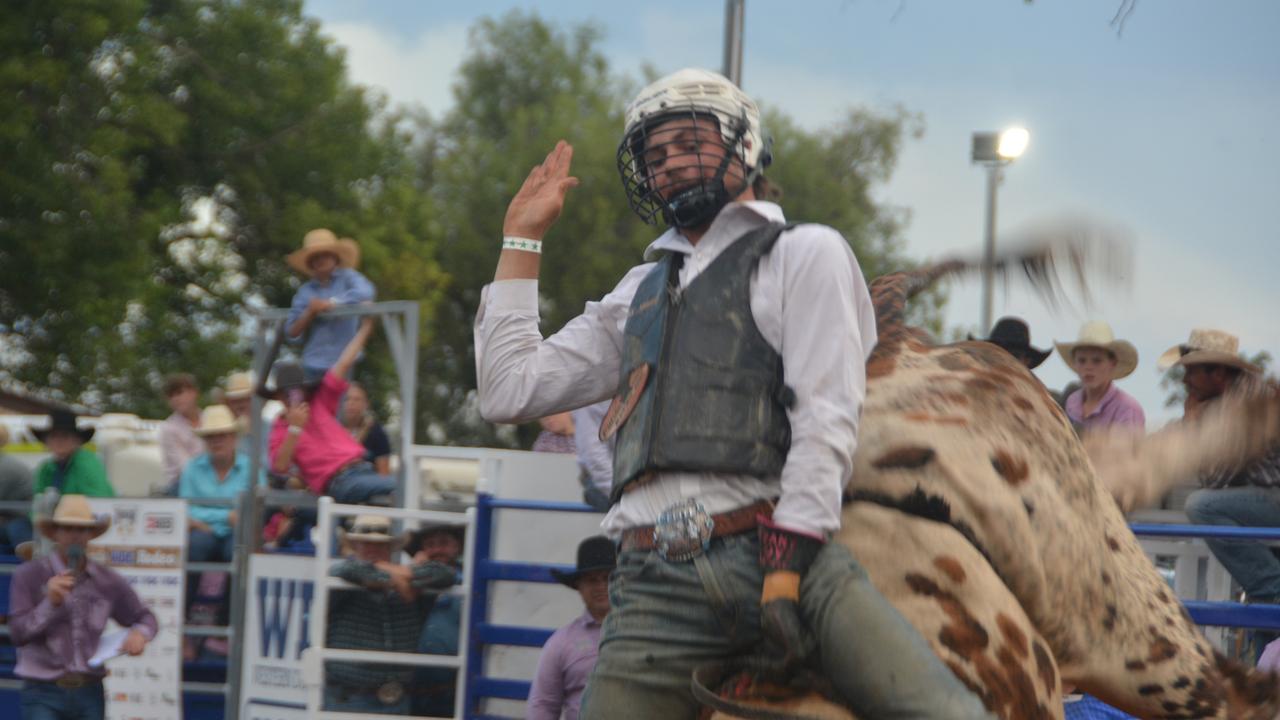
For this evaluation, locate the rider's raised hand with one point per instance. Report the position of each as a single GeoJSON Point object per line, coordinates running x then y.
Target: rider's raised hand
{"type": "Point", "coordinates": [538, 203]}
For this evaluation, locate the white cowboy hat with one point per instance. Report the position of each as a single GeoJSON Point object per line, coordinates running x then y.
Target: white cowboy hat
{"type": "Point", "coordinates": [73, 511]}
{"type": "Point", "coordinates": [1207, 347]}
{"type": "Point", "coordinates": [1098, 334]}
{"type": "Point", "coordinates": [217, 419]}
{"type": "Point", "coordinates": [319, 241]}
{"type": "Point", "coordinates": [238, 385]}
{"type": "Point", "coordinates": [371, 528]}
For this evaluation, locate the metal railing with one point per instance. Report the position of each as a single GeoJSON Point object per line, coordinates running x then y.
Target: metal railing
{"type": "Point", "coordinates": [329, 511]}
{"type": "Point", "coordinates": [487, 570]}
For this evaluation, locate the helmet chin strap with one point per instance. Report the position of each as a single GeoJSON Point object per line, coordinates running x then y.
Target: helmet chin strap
{"type": "Point", "coordinates": [696, 207]}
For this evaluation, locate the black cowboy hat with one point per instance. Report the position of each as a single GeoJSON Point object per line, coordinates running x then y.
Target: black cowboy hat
{"type": "Point", "coordinates": [1011, 333]}
{"type": "Point", "coordinates": [594, 553]}
{"type": "Point", "coordinates": [288, 374]}
{"type": "Point", "coordinates": [417, 537]}
{"type": "Point", "coordinates": [66, 421]}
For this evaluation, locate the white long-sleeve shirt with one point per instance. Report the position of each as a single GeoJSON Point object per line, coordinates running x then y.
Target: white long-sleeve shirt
{"type": "Point", "coordinates": [808, 299]}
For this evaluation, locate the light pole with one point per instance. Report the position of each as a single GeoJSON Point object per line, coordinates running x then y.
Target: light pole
{"type": "Point", "coordinates": [994, 151]}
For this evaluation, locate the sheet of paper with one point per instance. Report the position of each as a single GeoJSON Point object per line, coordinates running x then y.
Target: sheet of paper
{"type": "Point", "coordinates": [111, 645]}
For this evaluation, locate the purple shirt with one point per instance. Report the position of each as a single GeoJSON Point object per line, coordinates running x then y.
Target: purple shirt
{"type": "Point", "coordinates": [1117, 408]}
{"type": "Point", "coordinates": [53, 641]}
{"type": "Point", "coordinates": [563, 669]}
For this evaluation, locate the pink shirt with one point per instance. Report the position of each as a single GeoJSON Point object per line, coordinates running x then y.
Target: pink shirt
{"type": "Point", "coordinates": [1117, 408]}
{"type": "Point", "coordinates": [324, 446]}
{"type": "Point", "coordinates": [563, 667]}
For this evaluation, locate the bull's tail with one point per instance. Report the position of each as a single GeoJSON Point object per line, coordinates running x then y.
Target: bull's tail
{"type": "Point", "coordinates": [1047, 255]}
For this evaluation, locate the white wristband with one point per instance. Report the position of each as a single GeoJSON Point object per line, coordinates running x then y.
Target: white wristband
{"type": "Point", "coordinates": [511, 242]}
{"type": "Point", "coordinates": [295, 429]}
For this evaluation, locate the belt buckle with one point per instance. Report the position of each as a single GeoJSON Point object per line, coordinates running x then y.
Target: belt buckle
{"type": "Point", "coordinates": [390, 693]}
{"type": "Point", "coordinates": [70, 681]}
{"type": "Point", "coordinates": [683, 531]}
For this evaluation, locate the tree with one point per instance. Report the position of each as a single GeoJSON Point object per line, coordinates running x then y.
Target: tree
{"type": "Point", "coordinates": [166, 155]}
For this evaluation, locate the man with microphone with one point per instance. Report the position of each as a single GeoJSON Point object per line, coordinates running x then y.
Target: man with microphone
{"type": "Point", "coordinates": [59, 605]}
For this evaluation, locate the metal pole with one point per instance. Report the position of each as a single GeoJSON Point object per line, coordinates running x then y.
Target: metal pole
{"type": "Point", "coordinates": [734, 13]}
{"type": "Point", "coordinates": [989, 248]}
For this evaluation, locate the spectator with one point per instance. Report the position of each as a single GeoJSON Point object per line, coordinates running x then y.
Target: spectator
{"type": "Point", "coordinates": [237, 395]}
{"type": "Point", "coordinates": [1099, 359]}
{"type": "Point", "coordinates": [557, 434]}
{"type": "Point", "coordinates": [15, 485]}
{"type": "Point", "coordinates": [178, 440]}
{"type": "Point", "coordinates": [570, 653]}
{"type": "Point", "coordinates": [221, 472]}
{"type": "Point", "coordinates": [435, 688]}
{"type": "Point", "coordinates": [59, 607]}
{"type": "Point", "coordinates": [331, 264]}
{"type": "Point", "coordinates": [1012, 335]}
{"type": "Point", "coordinates": [72, 469]}
{"type": "Point", "coordinates": [595, 456]}
{"type": "Point", "coordinates": [1240, 496]}
{"type": "Point", "coordinates": [307, 434]}
{"type": "Point", "coordinates": [384, 612]}
{"type": "Point", "coordinates": [358, 419]}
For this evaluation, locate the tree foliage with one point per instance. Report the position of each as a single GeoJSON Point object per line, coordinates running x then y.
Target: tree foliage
{"type": "Point", "coordinates": [166, 154]}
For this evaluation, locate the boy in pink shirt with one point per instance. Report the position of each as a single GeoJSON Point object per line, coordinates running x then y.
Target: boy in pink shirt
{"type": "Point", "coordinates": [308, 434]}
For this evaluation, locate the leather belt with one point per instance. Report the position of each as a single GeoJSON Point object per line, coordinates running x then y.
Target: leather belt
{"type": "Point", "coordinates": [726, 523]}
{"type": "Point", "coordinates": [74, 681]}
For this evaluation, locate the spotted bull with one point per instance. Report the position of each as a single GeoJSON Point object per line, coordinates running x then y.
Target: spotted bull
{"type": "Point", "coordinates": [978, 513]}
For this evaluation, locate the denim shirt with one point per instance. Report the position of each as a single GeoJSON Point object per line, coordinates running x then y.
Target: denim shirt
{"type": "Point", "coordinates": [327, 336]}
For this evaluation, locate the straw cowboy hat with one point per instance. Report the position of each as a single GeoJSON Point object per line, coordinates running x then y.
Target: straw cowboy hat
{"type": "Point", "coordinates": [217, 419]}
{"type": "Point", "coordinates": [238, 385]}
{"type": "Point", "coordinates": [73, 511]}
{"type": "Point", "coordinates": [1012, 334]}
{"type": "Point", "coordinates": [319, 241]}
{"type": "Point", "coordinates": [1207, 347]}
{"type": "Point", "coordinates": [371, 528]}
{"type": "Point", "coordinates": [594, 553]}
{"type": "Point", "coordinates": [1097, 334]}
{"type": "Point", "coordinates": [65, 421]}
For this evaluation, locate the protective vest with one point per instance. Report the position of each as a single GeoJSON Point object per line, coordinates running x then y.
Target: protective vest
{"type": "Point", "coordinates": [701, 390]}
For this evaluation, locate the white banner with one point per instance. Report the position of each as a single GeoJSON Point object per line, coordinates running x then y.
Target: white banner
{"type": "Point", "coordinates": [147, 544]}
{"type": "Point", "coordinates": [280, 591]}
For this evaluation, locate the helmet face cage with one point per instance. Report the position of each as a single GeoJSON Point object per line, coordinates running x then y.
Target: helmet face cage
{"type": "Point", "coordinates": [715, 144]}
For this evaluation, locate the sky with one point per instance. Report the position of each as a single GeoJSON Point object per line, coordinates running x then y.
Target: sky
{"type": "Point", "coordinates": [1167, 128]}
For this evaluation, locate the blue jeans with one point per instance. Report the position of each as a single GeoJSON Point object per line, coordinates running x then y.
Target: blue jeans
{"type": "Point", "coordinates": [204, 546]}
{"type": "Point", "coordinates": [358, 483]}
{"type": "Point", "coordinates": [1251, 563]}
{"type": "Point", "coordinates": [668, 618]}
{"type": "Point", "coordinates": [337, 700]}
{"type": "Point", "coordinates": [46, 701]}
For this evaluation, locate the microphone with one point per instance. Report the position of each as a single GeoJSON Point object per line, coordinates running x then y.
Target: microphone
{"type": "Point", "coordinates": [75, 559]}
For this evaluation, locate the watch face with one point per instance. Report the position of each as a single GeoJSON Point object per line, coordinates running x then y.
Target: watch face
{"type": "Point", "coordinates": [625, 402]}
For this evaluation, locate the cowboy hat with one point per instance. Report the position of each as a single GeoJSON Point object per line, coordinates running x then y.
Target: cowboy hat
{"type": "Point", "coordinates": [65, 421]}
{"type": "Point", "coordinates": [594, 553]}
{"type": "Point", "coordinates": [320, 241]}
{"type": "Point", "coordinates": [288, 374]}
{"type": "Point", "coordinates": [371, 528]}
{"type": "Point", "coordinates": [1207, 347]}
{"type": "Point", "coordinates": [419, 536]}
{"type": "Point", "coordinates": [1098, 334]}
{"type": "Point", "coordinates": [238, 385]}
{"type": "Point", "coordinates": [1011, 334]}
{"type": "Point", "coordinates": [217, 419]}
{"type": "Point", "coordinates": [73, 511]}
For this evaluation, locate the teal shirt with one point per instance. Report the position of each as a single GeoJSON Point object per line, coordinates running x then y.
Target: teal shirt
{"type": "Point", "coordinates": [85, 475]}
{"type": "Point", "coordinates": [198, 480]}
